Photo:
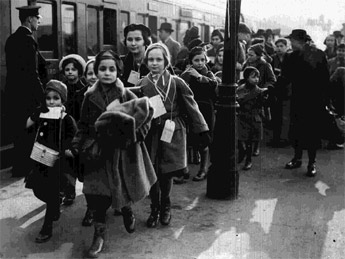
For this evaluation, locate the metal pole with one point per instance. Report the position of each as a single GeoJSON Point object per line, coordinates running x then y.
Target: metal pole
{"type": "Point", "coordinates": [223, 178]}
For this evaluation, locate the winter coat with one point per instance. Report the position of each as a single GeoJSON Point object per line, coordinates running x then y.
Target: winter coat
{"type": "Point", "coordinates": [172, 157]}
{"type": "Point", "coordinates": [128, 66]}
{"type": "Point", "coordinates": [75, 97]}
{"type": "Point", "coordinates": [124, 173]}
{"type": "Point", "coordinates": [334, 63]}
{"type": "Point", "coordinates": [308, 73]}
{"type": "Point", "coordinates": [250, 112]}
{"type": "Point", "coordinates": [174, 48]}
{"type": "Point", "coordinates": [204, 91]}
{"type": "Point", "coordinates": [23, 85]}
{"type": "Point", "coordinates": [47, 181]}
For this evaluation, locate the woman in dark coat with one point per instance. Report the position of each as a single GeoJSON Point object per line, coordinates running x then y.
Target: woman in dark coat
{"type": "Point", "coordinates": [136, 41]}
{"type": "Point", "coordinates": [203, 83]}
{"type": "Point", "coordinates": [169, 155]}
{"type": "Point", "coordinates": [118, 171]}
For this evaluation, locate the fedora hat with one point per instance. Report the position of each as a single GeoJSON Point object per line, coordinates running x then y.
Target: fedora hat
{"type": "Point", "coordinates": [338, 34]}
{"type": "Point", "coordinates": [298, 34]}
{"type": "Point", "coordinates": [166, 27]}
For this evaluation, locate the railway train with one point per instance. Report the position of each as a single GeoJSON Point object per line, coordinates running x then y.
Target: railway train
{"type": "Point", "coordinates": [88, 26]}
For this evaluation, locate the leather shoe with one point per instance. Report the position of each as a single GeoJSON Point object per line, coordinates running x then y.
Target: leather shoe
{"type": "Point", "coordinates": [200, 176]}
{"type": "Point", "coordinates": [128, 220]}
{"type": "Point", "coordinates": [179, 180]}
{"type": "Point", "coordinates": [256, 152]}
{"type": "Point", "coordinates": [165, 216]}
{"type": "Point", "coordinates": [69, 199]}
{"type": "Point", "coordinates": [293, 164]}
{"type": "Point", "coordinates": [153, 219]}
{"type": "Point", "coordinates": [247, 165]}
{"type": "Point", "coordinates": [311, 170]}
{"type": "Point", "coordinates": [45, 234]}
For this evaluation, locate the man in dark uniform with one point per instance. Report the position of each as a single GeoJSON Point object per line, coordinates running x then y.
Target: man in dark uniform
{"type": "Point", "coordinates": [23, 90]}
{"type": "Point", "coordinates": [306, 69]}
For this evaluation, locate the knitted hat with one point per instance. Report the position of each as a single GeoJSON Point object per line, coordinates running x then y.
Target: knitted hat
{"type": "Point", "coordinates": [249, 70]}
{"type": "Point", "coordinates": [194, 32]}
{"type": "Point", "coordinates": [58, 87]}
{"type": "Point", "coordinates": [217, 33]}
{"type": "Point", "coordinates": [243, 28]}
{"type": "Point", "coordinates": [76, 57]}
{"type": "Point", "coordinates": [258, 49]}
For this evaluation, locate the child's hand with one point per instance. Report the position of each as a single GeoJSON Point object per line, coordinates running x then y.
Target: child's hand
{"type": "Point", "coordinates": [68, 153]}
{"type": "Point", "coordinates": [193, 72]}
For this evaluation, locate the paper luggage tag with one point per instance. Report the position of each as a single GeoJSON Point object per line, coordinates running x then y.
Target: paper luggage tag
{"type": "Point", "coordinates": [241, 75]}
{"type": "Point", "coordinates": [54, 113]}
{"type": "Point", "coordinates": [134, 77]}
{"type": "Point", "coordinates": [168, 131]}
{"type": "Point", "coordinates": [157, 105]}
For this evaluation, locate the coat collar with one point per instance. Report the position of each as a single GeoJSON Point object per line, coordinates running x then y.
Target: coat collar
{"type": "Point", "coordinates": [96, 97]}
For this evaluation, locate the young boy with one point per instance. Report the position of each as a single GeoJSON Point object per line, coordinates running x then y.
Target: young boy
{"type": "Point", "coordinates": [54, 131]}
{"type": "Point", "coordinates": [250, 98]}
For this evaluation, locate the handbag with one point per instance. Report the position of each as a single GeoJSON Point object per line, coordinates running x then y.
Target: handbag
{"type": "Point", "coordinates": [45, 155]}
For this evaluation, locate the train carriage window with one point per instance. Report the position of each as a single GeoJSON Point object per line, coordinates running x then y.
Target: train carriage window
{"type": "Point", "coordinates": [46, 35]}
{"type": "Point", "coordinates": [92, 31]}
{"type": "Point", "coordinates": [68, 29]}
{"type": "Point", "coordinates": [109, 29]}
{"type": "Point", "coordinates": [182, 28]}
{"type": "Point", "coordinates": [141, 18]}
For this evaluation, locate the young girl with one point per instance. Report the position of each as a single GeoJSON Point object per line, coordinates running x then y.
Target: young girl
{"type": "Point", "coordinates": [203, 84]}
{"type": "Point", "coordinates": [89, 73]}
{"type": "Point", "coordinates": [72, 67]}
{"type": "Point", "coordinates": [250, 98]}
{"type": "Point", "coordinates": [113, 176]}
{"type": "Point", "coordinates": [46, 181]}
{"type": "Point", "coordinates": [168, 153]}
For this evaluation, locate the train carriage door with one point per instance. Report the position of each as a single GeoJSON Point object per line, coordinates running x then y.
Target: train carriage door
{"type": "Point", "coordinates": [69, 38]}
{"type": "Point", "coordinates": [92, 32]}
{"type": "Point", "coordinates": [181, 28]}
{"type": "Point", "coordinates": [153, 27]}
{"type": "Point", "coordinates": [124, 21]}
{"type": "Point", "coordinates": [110, 29]}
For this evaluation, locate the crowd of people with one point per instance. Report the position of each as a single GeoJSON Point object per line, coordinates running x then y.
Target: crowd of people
{"type": "Point", "coordinates": [122, 125]}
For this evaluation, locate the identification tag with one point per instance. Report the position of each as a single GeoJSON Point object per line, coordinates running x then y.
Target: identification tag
{"type": "Point", "coordinates": [157, 105]}
{"type": "Point", "coordinates": [168, 131]}
{"type": "Point", "coordinates": [134, 77]}
{"type": "Point", "coordinates": [54, 113]}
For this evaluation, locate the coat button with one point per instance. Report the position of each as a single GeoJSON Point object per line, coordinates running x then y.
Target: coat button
{"type": "Point", "coordinates": [45, 123]}
{"type": "Point", "coordinates": [41, 134]}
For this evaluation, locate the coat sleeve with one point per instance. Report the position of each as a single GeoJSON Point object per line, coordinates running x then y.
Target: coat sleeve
{"type": "Point", "coordinates": [190, 107]}
{"type": "Point", "coordinates": [70, 130]}
{"type": "Point", "coordinates": [270, 78]}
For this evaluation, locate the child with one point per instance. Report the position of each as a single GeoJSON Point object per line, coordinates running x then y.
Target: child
{"type": "Point", "coordinates": [203, 83]}
{"type": "Point", "coordinates": [168, 155]}
{"type": "Point", "coordinates": [217, 69]}
{"type": "Point", "coordinates": [250, 98]}
{"type": "Point", "coordinates": [114, 176]}
{"type": "Point", "coordinates": [45, 181]}
{"type": "Point", "coordinates": [89, 74]}
{"type": "Point", "coordinates": [72, 67]}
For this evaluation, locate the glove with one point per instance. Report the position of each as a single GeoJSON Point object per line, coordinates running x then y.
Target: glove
{"type": "Point", "coordinates": [36, 114]}
{"type": "Point", "coordinates": [205, 139]}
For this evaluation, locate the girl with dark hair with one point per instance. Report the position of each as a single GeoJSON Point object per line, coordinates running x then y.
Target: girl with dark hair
{"type": "Point", "coordinates": [111, 130]}
{"type": "Point", "coordinates": [137, 38]}
{"type": "Point", "coordinates": [203, 83]}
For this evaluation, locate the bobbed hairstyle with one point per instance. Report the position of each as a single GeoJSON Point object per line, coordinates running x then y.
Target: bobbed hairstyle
{"type": "Point", "coordinates": [196, 51]}
{"type": "Point", "coordinates": [145, 32]}
{"type": "Point", "coordinates": [108, 54]}
{"type": "Point", "coordinates": [163, 48]}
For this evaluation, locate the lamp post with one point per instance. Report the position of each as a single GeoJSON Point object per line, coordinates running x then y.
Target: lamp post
{"type": "Point", "coordinates": [223, 178]}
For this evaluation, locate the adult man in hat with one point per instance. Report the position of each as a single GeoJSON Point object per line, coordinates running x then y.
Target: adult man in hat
{"type": "Point", "coordinates": [165, 35]}
{"type": "Point", "coordinates": [306, 69]}
{"type": "Point", "coordinates": [23, 90]}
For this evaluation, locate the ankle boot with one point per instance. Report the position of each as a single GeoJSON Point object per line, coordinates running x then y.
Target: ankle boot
{"type": "Point", "coordinates": [98, 240]}
{"type": "Point", "coordinates": [128, 219]}
{"type": "Point", "coordinates": [165, 216]}
{"type": "Point", "coordinates": [46, 233]}
{"type": "Point", "coordinates": [153, 219]}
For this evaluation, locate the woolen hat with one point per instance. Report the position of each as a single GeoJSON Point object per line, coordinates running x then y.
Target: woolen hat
{"type": "Point", "coordinates": [217, 32]}
{"type": "Point", "coordinates": [243, 28]}
{"type": "Point", "coordinates": [338, 34]}
{"type": "Point", "coordinates": [258, 49]}
{"type": "Point", "coordinates": [58, 87]}
{"type": "Point", "coordinates": [281, 40]}
{"type": "Point", "coordinates": [166, 27]}
{"type": "Point", "coordinates": [193, 32]}
{"type": "Point", "coordinates": [298, 34]}
{"type": "Point", "coordinates": [76, 57]}
{"type": "Point", "coordinates": [249, 70]}
{"type": "Point", "coordinates": [29, 10]}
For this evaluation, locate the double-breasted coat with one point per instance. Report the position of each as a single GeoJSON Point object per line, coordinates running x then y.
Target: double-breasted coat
{"type": "Point", "coordinates": [127, 174]}
{"type": "Point", "coordinates": [172, 157]}
{"type": "Point", "coordinates": [307, 71]}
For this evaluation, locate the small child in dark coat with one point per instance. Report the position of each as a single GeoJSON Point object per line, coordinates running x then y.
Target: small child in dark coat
{"type": "Point", "coordinates": [56, 133]}
{"type": "Point", "coordinates": [250, 113]}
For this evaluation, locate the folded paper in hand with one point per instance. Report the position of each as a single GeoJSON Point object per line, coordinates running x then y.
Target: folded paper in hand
{"type": "Point", "coordinates": [54, 113]}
